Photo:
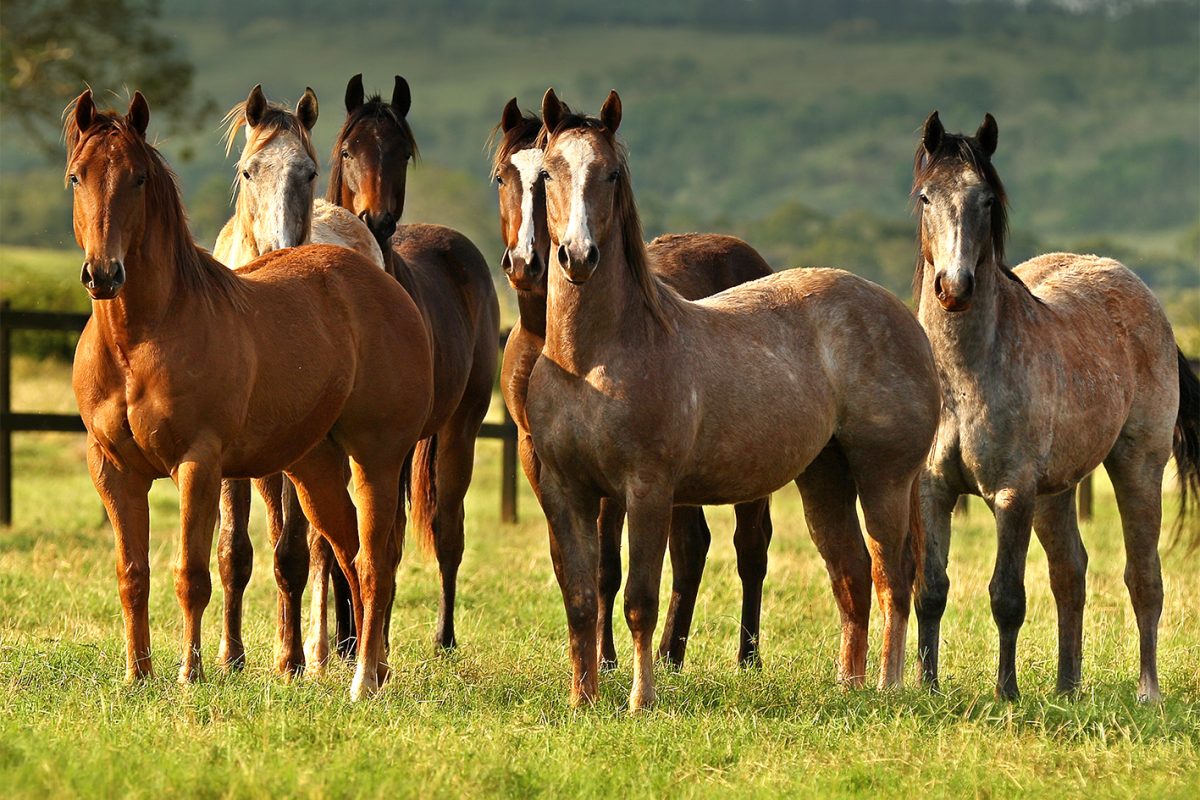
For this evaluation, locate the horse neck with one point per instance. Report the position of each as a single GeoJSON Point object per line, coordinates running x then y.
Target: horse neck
{"type": "Point", "coordinates": [149, 293]}
{"type": "Point", "coordinates": [966, 340]}
{"type": "Point", "coordinates": [584, 323]}
{"type": "Point", "coordinates": [532, 308]}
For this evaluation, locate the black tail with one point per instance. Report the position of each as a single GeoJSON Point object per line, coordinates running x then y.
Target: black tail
{"type": "Point", "coordinates": [1187, 448]}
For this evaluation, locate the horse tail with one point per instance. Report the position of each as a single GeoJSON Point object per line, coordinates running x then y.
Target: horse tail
{"type": "Point", "coordinates": [1186, 447]}
{"type": "Point", "coordinates": [422, 492]}
{"type": "Point", "coordinates": [916, 535]}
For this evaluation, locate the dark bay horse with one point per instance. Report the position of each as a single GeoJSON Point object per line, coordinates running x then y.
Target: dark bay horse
{"type": "Point", "coordinates": [695, 265]}
{"type": "Point", "coordinates": [276, 208]}
{"type": "Point", "coordinates": [448, 278]}
{"type": "Point", "coordinates": [810, 375]}
{"type": "Point", "coordinates": [189, 370]}
{"type": "Point", "coordinates": [1048, 370]}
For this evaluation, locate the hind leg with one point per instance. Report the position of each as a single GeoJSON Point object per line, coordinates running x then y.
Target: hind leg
{"type": "Point", "coordinates": [751, 538]}
{"type": "Point", "coordinates": [1057, 529]}
{"type": "Point", "coordinates": [1136, 475]}
{"type": "Point", "coordinates": [235, 557]}
{"type": "Point", "coordinates": [937, 507]}
{"type": "Point", "coordinates": [316, 645]}
{"type": "Point", "coordinates": [455, 461]}
{"type": "Point", "coordinates": [829, 496]}
{"type": "Point", "coordinates": [610, 523]}
{"type": "Point", "coordinates": [689, 542]}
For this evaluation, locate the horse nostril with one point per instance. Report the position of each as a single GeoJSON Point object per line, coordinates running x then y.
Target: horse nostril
{"type": "Point", "coordinates": [970, 286]}
{"type": "Point", "coordinates": [535, 265]}
{"type": "Point", "coordinates": [118, 278]}
{"type": "Point", "coordinates": [937, 286]}
{"type": "Point", "coordinates": [506, 261]}
{"type": "Point", "coordinates": [593, 255]}
{"type": "Point", "coordinates": [85, 275]}
{"type": "Point", "coordinates": [363, 215]}
{"type": "Point", "coordinates": [563, 257]}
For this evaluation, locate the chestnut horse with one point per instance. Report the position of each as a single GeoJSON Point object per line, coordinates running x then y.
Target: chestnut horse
{"type": "Point", "coordinates": [813, 376]}
{"type": "Point", "coordinates": [448, 279]}
{"type": "Point", "coordinates": [276, 208]}
{"type": "Point", "coordinates": [1048, 370]}
{"type": "Point", "coordinates": [695, 265]}
{"type": "Point", "coordinates": [196, 372]}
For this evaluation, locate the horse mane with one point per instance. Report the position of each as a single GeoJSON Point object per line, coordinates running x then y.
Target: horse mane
{"type": "Point", "coordinates": [374, 108]}
{"type": "Point", "coordinates": [277, 119]}
{"type": "Point", "coordinates": [195, 269]}
{"type": "Point", "coordinates": [658, 296]}
{"type": "Point", "coordinates": [954, 153]}
{"type": "Point", "coordinates": [504, 144]}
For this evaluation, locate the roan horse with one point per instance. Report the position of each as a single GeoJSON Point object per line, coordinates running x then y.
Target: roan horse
{"type": "Point", "coordinates": [695, 265]}
{"type": "Point", "coordinates": [197, 372]}
{"type": "Point", "coordinates": [276, 208]}
{"type": "Point", "coordinates": [448, 278]}
{"type": "Point", "coordinates": [1048, 370]}
{"type": "Point", "coordinates": [813, 376]}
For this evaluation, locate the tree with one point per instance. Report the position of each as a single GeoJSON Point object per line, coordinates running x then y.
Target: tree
{"type": "Point", "coordinates": [51, 49]}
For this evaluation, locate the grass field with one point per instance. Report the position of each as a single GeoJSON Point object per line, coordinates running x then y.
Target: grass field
{"type": "Point", "coordinates": [492, 719]}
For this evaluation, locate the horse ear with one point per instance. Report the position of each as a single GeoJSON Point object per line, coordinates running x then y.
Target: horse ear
{"type": "Point", "coordinates": [401, 97]}
{"type": "Point", "coordinates": [931, 137]}
{"type": "Point", "coordinates": [306, 109]}
{"type": "Point", "coordinates": [988, 134]}
{"type": "Point", "coordinates": [354, 94]}
{"type": "Point", "coordinates": [256, 106]}
{"type": "Point", "coordinates": [138, 115]}
{"type": "Point", "coordinates": [610, 112]}
{"type": "Point", "coordinates": [511, 116]}
{"type": "Point", "coordinates": [85, 111]}
{"type": "Point", "coordinates": [552, 110]}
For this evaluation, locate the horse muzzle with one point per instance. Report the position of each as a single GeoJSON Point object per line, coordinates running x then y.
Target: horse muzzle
{"type": "Point", "coordinates": [103, 279]}
{"type": "Point", "coordinates": [954, 293]}
{"type": "Point", "coordinates": [578, 263]}
{"type": "Point", "coordinates": [381, 223]}
{"type": "Point", "coordinates": [524, 274]}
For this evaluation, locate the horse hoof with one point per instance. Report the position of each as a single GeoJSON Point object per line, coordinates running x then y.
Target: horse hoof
{"type": "Point", "coordinates": [231, 657]}
{"type": "Point", "coordinates": [363, 687]}
{"type": "Point", "coordinates": [190, 674]}
{"type": "Point", "coordinates": [642, 701]}
{"type": "Point", "coordinates": [608, 665]}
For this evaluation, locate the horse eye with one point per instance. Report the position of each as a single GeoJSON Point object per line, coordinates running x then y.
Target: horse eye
{"type": "Point", "coordinates": [141, 180]}
{"type": "Point", "coordinates": [924, 199]}
{"type": "Point", "coordinates": [74, 179]}
{"type": "Point", "coordinates": [616, 173]}
{"type": "Point", "coordinates": [545, 176]}
{"type": "Point", "coordinates": [345, 154]}
{"type": "Point", "coordinates": [246, 174]}
{"type": "Point", "coordinates": [312, 176]}
{"type": "Point", "coordinates": [499, 181]}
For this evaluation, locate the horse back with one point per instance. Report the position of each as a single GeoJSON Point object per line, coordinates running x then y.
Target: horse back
{"type": "Point", "coordinates": [701, 264]}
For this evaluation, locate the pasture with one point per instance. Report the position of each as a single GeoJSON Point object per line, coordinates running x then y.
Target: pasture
{"type": "Point", "coordinates": [492, 718]}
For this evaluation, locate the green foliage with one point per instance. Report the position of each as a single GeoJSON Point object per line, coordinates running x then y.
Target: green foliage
{"type": "Point", "coordinates": [42, 280]}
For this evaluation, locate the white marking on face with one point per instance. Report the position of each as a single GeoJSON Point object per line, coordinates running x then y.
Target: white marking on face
{"type": "Point", "coordinates": [579, 154]}
{"type": "Point", "coordinates": [529, 167]}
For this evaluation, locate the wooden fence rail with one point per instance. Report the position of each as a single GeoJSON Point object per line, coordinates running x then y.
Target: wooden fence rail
{"type": "Point", "coordinates": [68, 322]}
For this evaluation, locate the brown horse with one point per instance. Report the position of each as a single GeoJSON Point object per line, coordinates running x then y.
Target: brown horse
{"type": "Point", "coordinates": [695, 265]}
{"type": "Point", "coordinates": [813, 376]}
{"type": "Point", "coordinates": [448, 279]}
{"type": "Point", "coordinates": [1048, 370]}
{"type": "Point", "coordinates": [276, 208]}
{"type": "Point", "coordinates": [196, 372]}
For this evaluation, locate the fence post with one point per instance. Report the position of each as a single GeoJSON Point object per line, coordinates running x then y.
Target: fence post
{"type": "Point", "coordinates": [6, 476]}
{"type": "Point", "coordinates": [1085, 498]}
{"type": "Point", "coordinates": [508, 471]}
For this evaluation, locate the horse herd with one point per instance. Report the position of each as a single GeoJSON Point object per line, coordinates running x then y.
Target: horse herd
{"type": "Point", "coordinates": [323, 344]}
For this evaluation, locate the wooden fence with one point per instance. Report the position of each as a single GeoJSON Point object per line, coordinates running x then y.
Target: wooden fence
{"type": "Point", "coordinates": [11, 422]}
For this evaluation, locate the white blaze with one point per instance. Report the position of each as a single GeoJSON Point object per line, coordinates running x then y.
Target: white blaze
{"type": "Point", "coordinates": [529, 167]}
{"type": "Point", "coordinates": [579, 154]}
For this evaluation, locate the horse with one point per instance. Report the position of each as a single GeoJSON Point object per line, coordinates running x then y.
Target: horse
{"type": "Point", "coordinates": [190, 370]}
{"type": "Point", "coordinates": [812, 376]}
{"type": "Point", "coordinates": [276, 208]}
{"type": "Point", "coordinates": [448, 278]}
{"type": "Point", "coordinates": [695, 265]}
{"type": "Point", "coordinates": [1047, 370]}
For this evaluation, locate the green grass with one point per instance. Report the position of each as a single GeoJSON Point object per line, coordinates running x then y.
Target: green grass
{"type": "Point", "coordinates": [492, 719]}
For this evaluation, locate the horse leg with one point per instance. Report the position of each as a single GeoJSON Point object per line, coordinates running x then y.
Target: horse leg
{"type": "Point", "coordinates": [125, 495]}
{"type": "Point", "coordinates": [937, 507]}
{"type": "Point", "coordinates": [609, 525]}
{"type": "Point", "coordinates": [1137, 482]}
{"type": "Point", "coordinates": [649, 528]}
{"type": "Point", "coordinates": [289, 540]}
{"type": "Point", "coordinates": [455, 461]}
{"type": "Point", "coordinates": [235, 557]}
{"type": "Point", "coordinates": [199, 481]}
{"type": "Point", "coordinates": [829, 495]}
{"type": "Point", "coordinates": [1013, 509]}
{"type": "Point", "coordinates": [751, 538]}
{"type": "Point", "coordinates": [316, 645]}
{"type": "Point", "coordinates": [1057, 528]}
{"type": "Point", "coordinates": [346, 636]}
{"type": "Point", "coordinates": [689, 541]}
{"type": "Point", "coordinates": [574, 553]}
{"type": "Point", "coordinates": [377, 495]}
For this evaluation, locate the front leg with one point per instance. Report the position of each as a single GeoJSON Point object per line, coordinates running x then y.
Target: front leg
{"type": "Point", "coordinates": [199, 481]}
{"type": "Point", "coordinates": [571, 512]}
{"type": "Point", "coordinates": [937, 507]}
{"type": "Point", "coordinates": [125, 497]}
{"type": "Point", "coordinates": [650, 512]}
{"type": "Point", "coordinates": [1014, 523]}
